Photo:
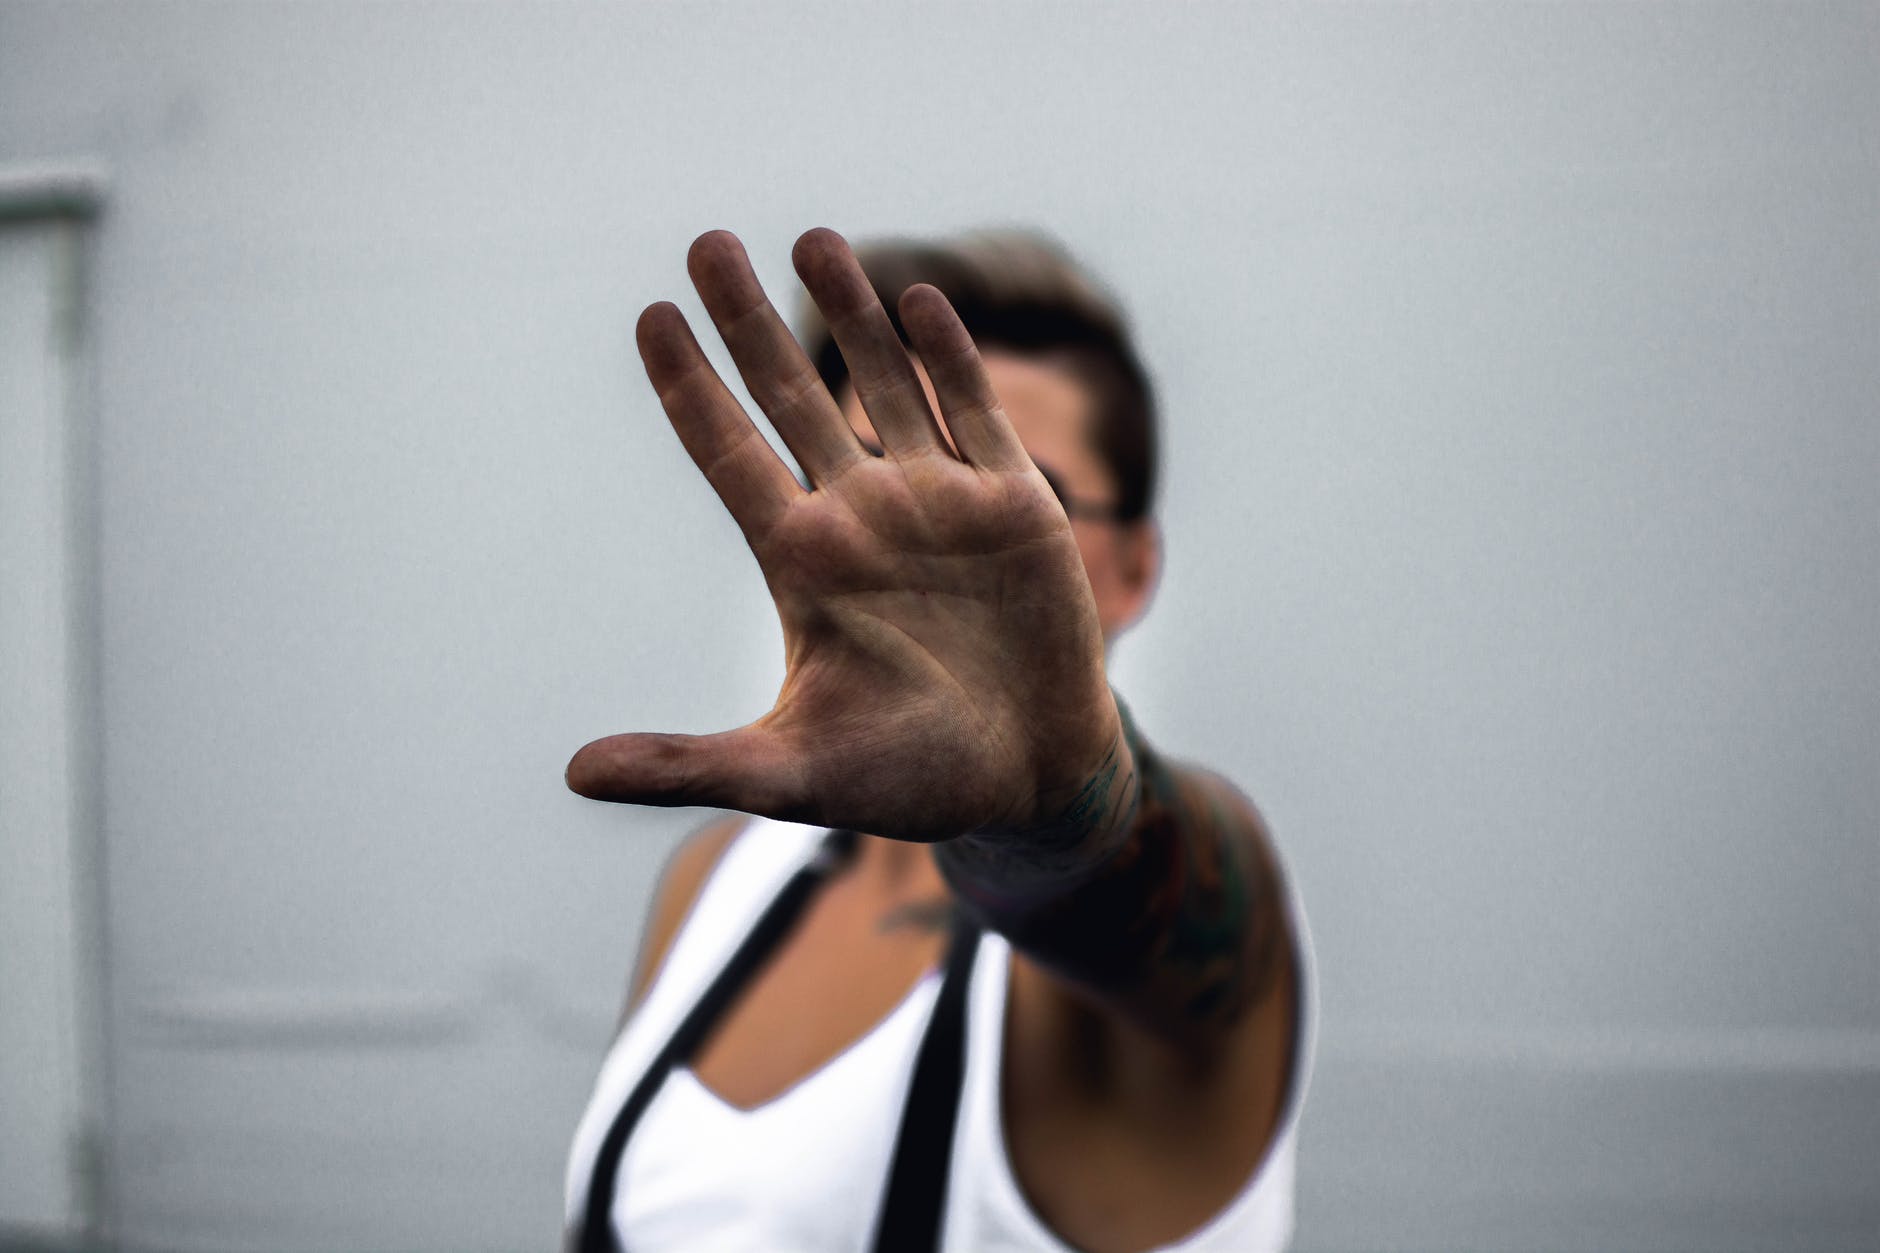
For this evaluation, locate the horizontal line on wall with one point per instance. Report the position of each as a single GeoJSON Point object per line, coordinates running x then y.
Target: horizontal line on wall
{"type": "Point", "coordinates": [300, 1018]}
{"type": "Point", "coordinates": [329, 1016]}
{"type": "Point", "coordinates": [1745, 1050]}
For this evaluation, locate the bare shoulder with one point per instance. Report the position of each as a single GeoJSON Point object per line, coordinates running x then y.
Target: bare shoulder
{"type": "Point", "coordinates": [1123, 1136]}
{"type": "Point", "coordinates": [1210, 797]}
{"type": "Point", "coordinates": [690, 865]}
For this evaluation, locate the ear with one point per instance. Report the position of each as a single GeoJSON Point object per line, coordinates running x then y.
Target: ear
{"type": "Point", "coordinates": [1138, 569]}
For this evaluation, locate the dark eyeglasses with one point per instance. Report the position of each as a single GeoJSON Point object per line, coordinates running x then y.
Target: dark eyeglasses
{"type": "Point", "coordinates": [1075, 507]}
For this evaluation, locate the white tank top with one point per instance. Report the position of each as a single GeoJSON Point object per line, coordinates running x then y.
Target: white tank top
{"type": "Point", "coordinates": [804, 1172]}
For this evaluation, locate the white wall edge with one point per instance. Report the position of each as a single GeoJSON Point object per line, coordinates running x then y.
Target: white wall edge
{"type": "Point", "coordinates": [49, 741]}
{"type": "Point", "coordinates": [68, 188]}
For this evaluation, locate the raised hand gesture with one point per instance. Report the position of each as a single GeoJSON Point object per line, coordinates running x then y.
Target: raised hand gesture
{"type": "Point", "coordinates": [943, 659]}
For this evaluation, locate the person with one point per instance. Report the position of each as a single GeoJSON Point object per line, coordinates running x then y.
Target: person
{"type": "Point", "coordinates": [1058, 994]}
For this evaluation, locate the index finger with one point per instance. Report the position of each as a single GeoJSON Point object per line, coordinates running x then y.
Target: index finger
{"type": "Point", "coordinates": [752, 481]}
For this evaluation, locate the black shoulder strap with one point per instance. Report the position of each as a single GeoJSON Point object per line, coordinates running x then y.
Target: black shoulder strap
{"type": "Point", "coordinates": [915, 1199]}
{"type": "Point", "coordinates": [596, 1233]}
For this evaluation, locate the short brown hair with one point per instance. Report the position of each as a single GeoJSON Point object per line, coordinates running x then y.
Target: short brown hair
{"type": "Point", "coordinates": [1020, 291]}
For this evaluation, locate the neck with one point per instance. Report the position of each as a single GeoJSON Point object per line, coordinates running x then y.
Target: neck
{"type": "Point", "coordinates": [898, 868]}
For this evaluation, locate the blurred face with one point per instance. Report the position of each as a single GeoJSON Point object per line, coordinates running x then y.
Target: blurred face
{"type": "Point", "coordinates": [1051, 411]}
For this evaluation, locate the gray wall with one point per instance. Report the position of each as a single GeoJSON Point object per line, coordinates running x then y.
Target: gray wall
{"type": "Point", "coordinates": [1520, 368]}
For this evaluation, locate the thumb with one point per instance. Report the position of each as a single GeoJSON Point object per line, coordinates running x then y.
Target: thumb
{"type": "Point", "coordinates": [742, 769]}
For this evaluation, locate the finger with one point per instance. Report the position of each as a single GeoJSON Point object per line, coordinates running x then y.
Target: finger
{"type": "Point", "coordinates": [781, 379]}
{"type": "Point", "coordinates": [745, 471]}
{"type": "Point", "coordinates": [974, 418]}
{"type": "Point", "coordinates": [742, 769]}
{"type": "Point", "coordinates": [879, 367]}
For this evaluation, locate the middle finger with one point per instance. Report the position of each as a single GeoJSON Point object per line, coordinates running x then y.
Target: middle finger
{"type": "Point", "coordinates": [780, 378]}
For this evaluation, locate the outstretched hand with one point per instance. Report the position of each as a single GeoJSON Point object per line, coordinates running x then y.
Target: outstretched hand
{"type": "Point", "coordinates": [943, 658]}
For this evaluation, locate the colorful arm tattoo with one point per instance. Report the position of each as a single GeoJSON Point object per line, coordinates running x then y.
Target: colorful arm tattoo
{"type": "Point", "coordinates": [1157, 891]}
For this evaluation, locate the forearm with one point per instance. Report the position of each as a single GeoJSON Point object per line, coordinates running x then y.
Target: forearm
{"type": "Point", "coordinates": [1157, 892]}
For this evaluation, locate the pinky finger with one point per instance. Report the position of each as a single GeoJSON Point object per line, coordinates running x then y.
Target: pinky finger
{"type": "Point", "coordinates": [978, 425]}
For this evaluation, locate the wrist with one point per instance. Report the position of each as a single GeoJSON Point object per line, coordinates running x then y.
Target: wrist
{"type": "Point", "coordinates": [1074, 829]}
{"type": "Point", "coordinates": [1100, 809]}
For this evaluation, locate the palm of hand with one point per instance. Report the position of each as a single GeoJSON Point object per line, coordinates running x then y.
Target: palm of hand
{"type": "Point", "coordinates": [943, 659]}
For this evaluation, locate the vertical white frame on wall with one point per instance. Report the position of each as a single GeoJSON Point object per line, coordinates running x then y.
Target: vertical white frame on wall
{"type": "Point", "coordinates": [52, 1051]}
